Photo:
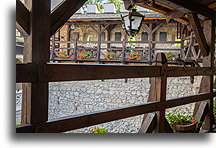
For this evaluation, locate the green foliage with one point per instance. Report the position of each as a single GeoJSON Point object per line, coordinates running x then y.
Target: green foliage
{"type": "Point", "coordinates": [18, 122]}
{"type": "Point", "coordinates": [110, 55]}
{"type": "Point", "coordinates": [99, 130]}
{"type": "Point", "coordinates": [90, 37]}
{"type": "Point", "coordinates": [170, 55]}
{"type": "Point", "coordinates": [100, 3]}
{"type": "Point", "coordinates": [20, 39]}
{"type": "Point", "coordinates": [117, 2]}
{"type": "Point", "coordinates": [179, 117]}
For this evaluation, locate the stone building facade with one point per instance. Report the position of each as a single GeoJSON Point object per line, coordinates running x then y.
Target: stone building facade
{"type": "Point", "coordinates": [167, 32]}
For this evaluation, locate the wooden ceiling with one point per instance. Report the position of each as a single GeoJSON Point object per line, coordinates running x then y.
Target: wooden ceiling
{"type": "Point", "coordinates": [178, 8]}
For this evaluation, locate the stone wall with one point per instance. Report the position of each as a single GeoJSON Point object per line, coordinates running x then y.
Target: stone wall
{"type": "Point", "coordinates": [72, 98]}
{"type": "Point", "coordinates": [83, 29]}
{"type": "Point", "coordinates": [77, 97]}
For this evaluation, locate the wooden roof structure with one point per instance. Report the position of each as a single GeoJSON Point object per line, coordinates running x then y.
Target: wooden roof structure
{"type": "Point", "coordinates": [35, 19]}
{"type": "Point", "coordinates": [178, 8]}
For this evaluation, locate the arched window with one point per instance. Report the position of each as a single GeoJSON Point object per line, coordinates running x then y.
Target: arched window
{"type": "Point", "coordinates": [144, 36]}
{"type": "Point", "coordinates": [75, 36]}
{"type": "Point", "coordinates": [118, 36]}
{"type": "Point", "coordinates": [103, 36]}
{"type": "Point", "coordinates": [163, 36]}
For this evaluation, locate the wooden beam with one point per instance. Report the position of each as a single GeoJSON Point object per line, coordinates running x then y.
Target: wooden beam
{"type": "Point", "coordinates": [149, 124]}
{"type": "Point", "coordinates": [39, 44]}
{"type": "Point", "coordinates": [207, 81]}
{"type": "Point", "coordinates": [192, 6]}
{"type": "Point", "coordinates": [76, 72]}
{"type": "Point", "coordinates": [163, 10]}
{"type": "Point", "coordinates": [84, 120]}
{"type": "Point", "coordinates": [201, 114]}
{"type": "Point", "coordinates": [61, 14]}
{"type": "Point", "coordinates": [26, 73]}
{"type": "Point", "coordinates": [199, 35]}
{"type": "Point", "coordinates": [26, 128]}
{"type": "Point", "coordinates": [174, 14]}
{"type": "Point", "coordinates": [189, 71]}
{"type": "Point", "coordinates": [23, 16]}
{"type": "Point", "coordinates": [158, 26]}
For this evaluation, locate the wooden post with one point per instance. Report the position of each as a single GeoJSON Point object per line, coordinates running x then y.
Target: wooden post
{"type": "Point", "coordinates": [99, 44]}
{"type": "Point", "coordinates": [68, 36]}
{"type": "Point", "coordinates": [38, 42]}
{"type": "Point", "coordinates": [158, 93]}
{"type": "Point", "coordinates": [207, 81]}
{"type": "Point", "coordinates": [75, 50]}
{"type": "Point", "coordinates": [150, 43]}
{"type": "Point", "coordinates": [123, 51]}
{"type": "Point", "coordinates": [53, 48]}
{"type": "Point", "coordinates": [26, 87]}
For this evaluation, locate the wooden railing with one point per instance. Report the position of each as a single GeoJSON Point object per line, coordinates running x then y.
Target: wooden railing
{"type": "Point", "coordinates": [76, 72]}
{"type": "Point", "coordinates": [121, 51]}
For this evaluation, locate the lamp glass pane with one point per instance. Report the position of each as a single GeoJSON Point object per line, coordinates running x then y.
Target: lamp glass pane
{"type": "Point", "coordinates": [136, 22]}
{"type": "Point", "coordinates": [127, 23]}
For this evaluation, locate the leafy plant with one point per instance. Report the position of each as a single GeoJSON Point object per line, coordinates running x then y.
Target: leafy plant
{"type": "Point", "coordinates": [179, 117]}
{"type": "Point", "coordinates": [170, 55]}
{"type": "Point", "coordinates": [99, 130]}
{"type": "Point", "coordinates": [62, 53]}
{"type": "Point", "coordinates": [134, 56]}
{"type": "Point", "coordinates": [110, 55]}
{"type": "Point", "coordinates": [18, 122]}
{"type": "Point", "coordinates": [84, 54]}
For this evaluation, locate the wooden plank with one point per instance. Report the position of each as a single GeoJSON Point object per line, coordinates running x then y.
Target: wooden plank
{"type": "Point", "coordinates": [201, 114]}
{"type": "Point", "coordinates": [158, 26]}
{"type": "Point", "coordinates": [61, 14]}
{"type": "Point", "coordinates": [150, 43]}
{"type": "Point", "coordinates": [149, 124]}
{"type": "Point", "coordinates": [173, 14]}
{"type": "Point", "coordinates": [199, 35]}
{"type": "Point", "coordinates": [163, 10]}
{"type": "Point", "coordinates": [192, 6]}
{"type": "Point", "coordinates": [84, 120]}
{"type": "Point", "coordinates": [25, 129]}
{"type": "Point", "coordinates": [26, 73]}
{"type": "Point", "coordinates": [23, 16]}
{"type": "Point", "coordinates": [168, 128]}
{"type": "Point", "coordinates": [209, 32]}
{"type": "Point", "coordinates": [40, 45]}
{"type": "Point", "coordinates": [189, 71]}
{"type": "Point", "coordinates": [77, 72]}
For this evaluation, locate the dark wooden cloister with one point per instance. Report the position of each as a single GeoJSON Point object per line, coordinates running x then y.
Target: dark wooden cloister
{"type": "Point", "coordinates": [38, 24]}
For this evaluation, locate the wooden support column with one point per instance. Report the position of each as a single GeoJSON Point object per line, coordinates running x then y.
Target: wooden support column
{"type": "Point", "coordinates": [109, 29]}
{"type": "Point", "coordinates": [68, 35]}
{"type": "Point", "coordinates": [199, 35]}
{"type": "Point", "coordinates": [150, 43]}
{"type": "Point", "coordinates": [26, 87]}
{"type": "Point", "coordinates": [207, 81]}
{"type": "Point", "coordinates": [53, 48]}
{"type": "Point", "coordinates": [99, 43]}
{"type": "Point", "coordinates": [153, 44]}
{"type": "Point", "coordinates": [157, 93]}
{"type": "Point", "coordinates": [38, 42]}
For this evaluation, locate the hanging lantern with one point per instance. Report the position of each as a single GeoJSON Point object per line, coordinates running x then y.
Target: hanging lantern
{"type": "Point", "coordinates": [132, 22]}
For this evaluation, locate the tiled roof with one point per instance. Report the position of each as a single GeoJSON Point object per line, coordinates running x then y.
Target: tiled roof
{"type": "Point", "coordinates": [113, 15]}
